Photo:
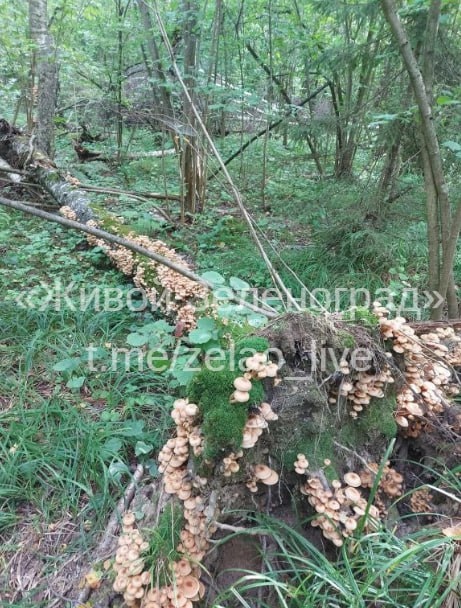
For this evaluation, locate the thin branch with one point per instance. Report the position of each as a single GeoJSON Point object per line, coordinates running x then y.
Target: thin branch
{"type": "Point", "coordinates": [113, 524]}
{"type": "Point", "coordinates": [237, 197]}
{"type": "Point", "coordinates": [140, 195]}
{"type": "Point", "coordinates": [269, 128]}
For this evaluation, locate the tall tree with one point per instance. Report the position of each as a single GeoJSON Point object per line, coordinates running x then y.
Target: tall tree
{"type": "Point", "coordinates": [192, 155]}
{"type": "Point", "coordinates": [440, 230]}
{"type": "Point", "coordinates": [44, 66]}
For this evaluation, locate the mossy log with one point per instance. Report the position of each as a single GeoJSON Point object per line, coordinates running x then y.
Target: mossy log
{"type": "Point", "coordinates": [18, 151]}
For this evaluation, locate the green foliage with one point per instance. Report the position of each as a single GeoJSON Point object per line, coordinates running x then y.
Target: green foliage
{"type": "Point", "coordinates": [361, 315]}
{"type": "Point", "coordinates": [408, 571]}
{"type": "Point", "coordinates": [74, 424]}
{"type": "Point", "coordinates": [163, 539]}
{"type": "Point", "coordinates": [222, 421]}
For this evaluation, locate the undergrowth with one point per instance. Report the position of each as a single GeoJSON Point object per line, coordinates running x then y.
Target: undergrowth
{"type": "Point", "coordinates": [375, 569]}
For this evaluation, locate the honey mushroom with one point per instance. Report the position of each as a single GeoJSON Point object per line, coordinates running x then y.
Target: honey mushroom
{"type": "Point", "coordinates": [301, 464]}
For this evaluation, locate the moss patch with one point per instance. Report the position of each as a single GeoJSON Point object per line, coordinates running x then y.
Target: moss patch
{"type": "Point", "coordinates": [375, 422]}
{"type": "Point", "coordinates": [316, 448]}
{"type": "Point", "coordinates": [222, 421]}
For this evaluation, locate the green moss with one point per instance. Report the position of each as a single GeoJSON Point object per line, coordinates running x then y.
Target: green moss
{"type": "Point", "coordinates": [346, 339]}
{"type": "Point", "coordinates": [248, 346]}
{"type": "Point", "coordinates": [256, 393]}
{"type": "Point", "coordinates": [222, 421]}
{"type": "Point", "coordinates": [208, 388]}
{"type": "Point", "coordinates": [111, 223]}
{"type": "Point", "coordinates": [379, 416]}
{"type": "Point", "coordinates": [163, 540]}
{"type": "Point", "coordinates": [376, 420]}
{"type": "Point", "coordinates": [361, 315]}
{"type": "Point", "coordinates": [223, 429]}
{"type": "Point", "coordinates": [316, 448]}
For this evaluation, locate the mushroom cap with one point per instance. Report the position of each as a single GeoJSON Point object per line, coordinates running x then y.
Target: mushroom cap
{"type": "Point", "coordinates": [240, 396]}
{"type": "Point", "coordinates": [242, 384]}
{"type": "Point", "coordinates": [272, 479]}
{"type": "Point", "coordinates": [189, 586]}
{"type": "Point", "coordinates": [182, 567]}
{"type": "Point", "coordinates": [352, 494]}
{"type": "Point", "coordinates": [252, 363]}
{"type": "Point", "coordinates": [352, 479]}
{"type": "Point", "coordinates": [271, 370]}
{"type": "Point", "coordinates": [261, 471]}
{"type": "Point", "coordinates": [191, 409]}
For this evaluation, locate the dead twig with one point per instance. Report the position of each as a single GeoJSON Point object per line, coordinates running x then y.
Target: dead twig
{"type": "Point", "coordinates": [113, 525]}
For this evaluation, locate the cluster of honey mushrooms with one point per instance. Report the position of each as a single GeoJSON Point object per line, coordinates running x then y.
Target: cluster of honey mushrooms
{"type": "Point", "coordinates": [181, 585]}
{"type": "Point", "coordinates": [150, 276]}
{"type": "Point", "coordinates": [225, 414]}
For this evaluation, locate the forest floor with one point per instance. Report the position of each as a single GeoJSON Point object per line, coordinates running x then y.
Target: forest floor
{"type": "Point", "coordinates": [57, 493]}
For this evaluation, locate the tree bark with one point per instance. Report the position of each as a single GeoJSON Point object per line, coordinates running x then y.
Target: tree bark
{"type": "Point", "coordinates": [433, 161]}
{"type": "Point", "coordinates": [192, 161]}
{"type": "Point", "coordinates": [46, 69]}
{"type": "Point", "coordinates": [164, 100]}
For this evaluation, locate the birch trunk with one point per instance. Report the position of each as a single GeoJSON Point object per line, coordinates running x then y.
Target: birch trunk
{"type": "Point", "coordinates": [46, 69]}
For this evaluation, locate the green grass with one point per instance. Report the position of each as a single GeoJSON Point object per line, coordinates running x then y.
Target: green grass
{"type": "Point", "coordinates": [68, 433]}
{"type": "Point", "coordinates": [377, 569]}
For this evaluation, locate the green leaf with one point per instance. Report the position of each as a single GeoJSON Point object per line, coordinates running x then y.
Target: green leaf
{"type": "Point", "coordinates": [111, 447]}
{"type": "Point", "coordinates": [67, 365]}
{"type": "Point", "coordinates": [257, 320]}
{"type": "Point", "coordinates": [117, 469]}
{"type": "Point", "coordinates": [238, 284]}
{"type": "Point", "coordinates": [207, 324]}
{"type": "Point", "coordinates": [152, 467]}
{"type": "Point", "coordinates": [444, 100]}
{"type": "Point", "coordinates": [137, 339]}
{"type": "Point", "coordinates": [162, 325]}
{"type": "Point", "coordinates": [75, 383]}
{"type": "Point", "coordinates": [199, 336]}
{"type": "Point", "coordinates": [141, 448]}
{"type": "Point", "coordinates": [452, 145]}
{"type": "Point", "coordinates": [213, 277]}
{"type": "Point", "coordinates": [131, 428]}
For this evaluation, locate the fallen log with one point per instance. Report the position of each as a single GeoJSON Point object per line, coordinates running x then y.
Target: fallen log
{"type": "Point", "coordinates": [422, 327]}
{"type": "Point", "coordinates": [19, 152]}
{"type": "Point", "coordinates": [131, 246]}
{"type": "Point", "coordinates": [9, 172]}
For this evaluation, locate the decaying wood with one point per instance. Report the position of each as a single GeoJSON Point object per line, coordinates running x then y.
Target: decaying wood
{"type": "Point", "coordinates": [117, 240]}
{"type": "Point", "coordinates": [422, 327]}
{"type": "Point", "coordinates": [113, 524]}
{"type": "Point", "coordinates": [10, 173]}
{"type": "Point", "coordinates": [18, 150]}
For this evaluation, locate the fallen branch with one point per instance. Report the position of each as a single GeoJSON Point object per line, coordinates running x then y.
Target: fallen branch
{"type": "Point", "coordinates": [112, 526]}
{"type": "Point", "coordinates": [422, 327]}
{"type": "Point", "coordinates": [143, 195]}
{"type": "Point", "coordinates": [269, 128]}
{"type": "Point", "coordinates": [122, 242]}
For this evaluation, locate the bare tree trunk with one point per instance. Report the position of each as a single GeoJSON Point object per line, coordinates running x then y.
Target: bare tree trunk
{"type": "Point", "coordinates": [165, 107]}
{"type": "Point", "coordinates": [45, 65]}
{"type": "Point", "coordinates": [192, 158]}
{"type": "Point", "coordinates": [431, 151]}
